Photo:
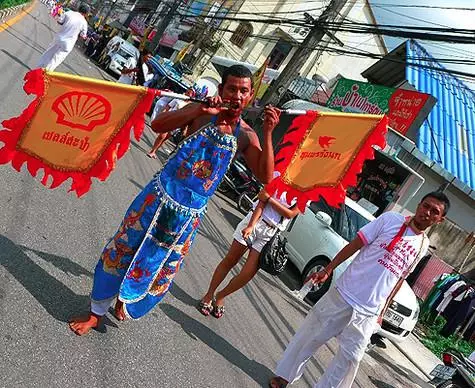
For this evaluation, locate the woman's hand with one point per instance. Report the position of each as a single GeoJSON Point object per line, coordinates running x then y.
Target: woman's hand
{"type": "Point", "coordinates": [246, 232]}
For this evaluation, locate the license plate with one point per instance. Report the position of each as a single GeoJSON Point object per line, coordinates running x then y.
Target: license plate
{"type": "Point", "coordinates": [393, 318]}
{"type": "Point", "coordinates": [443, 372]}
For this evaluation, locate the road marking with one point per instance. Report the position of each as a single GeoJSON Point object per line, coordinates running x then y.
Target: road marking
{"type": "Point", "coordinates": [16, 18]}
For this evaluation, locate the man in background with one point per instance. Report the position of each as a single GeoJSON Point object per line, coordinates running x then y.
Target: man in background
{"type": "Point", "coordinates": [73, 24]}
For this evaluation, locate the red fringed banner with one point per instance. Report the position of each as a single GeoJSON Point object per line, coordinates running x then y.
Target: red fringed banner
{"type": "Point", "coordinates": [321, 154]}
{"type": "Point", "coordinates": [75, 128]}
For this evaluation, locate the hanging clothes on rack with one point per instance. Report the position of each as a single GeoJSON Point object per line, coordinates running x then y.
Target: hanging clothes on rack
{"type": "Point", "coordinates": [464, 310]}
{"type": "Point", "coordinates": [457, 296]}
{"type": "Point", "coordinates": [442, 283]}
{"type": "Point", "coordinates": [449, 295]}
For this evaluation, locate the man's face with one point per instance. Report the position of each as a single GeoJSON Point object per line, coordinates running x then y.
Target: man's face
{"type": "Point", "coordinates": [237, 91]}
{"type": "Point", "coordinates": [429, 212]}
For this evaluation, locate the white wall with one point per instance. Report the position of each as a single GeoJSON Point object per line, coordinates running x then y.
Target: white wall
{"type": "Point", "coordinates": [462, 211]}
{"type": "Point", "coordinates": [329, 65]}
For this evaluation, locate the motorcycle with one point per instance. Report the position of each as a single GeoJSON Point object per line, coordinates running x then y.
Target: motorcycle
{"type": "Point", "coordinates": [240, 183]}
{"type": "Point", "coordinates": [456, 372]}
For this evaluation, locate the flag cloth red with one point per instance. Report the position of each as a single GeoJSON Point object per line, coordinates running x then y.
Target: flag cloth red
{"type": "Point", "coordinates": [76, 128]}
{"type": "Point", "coordinates": [322, 153]}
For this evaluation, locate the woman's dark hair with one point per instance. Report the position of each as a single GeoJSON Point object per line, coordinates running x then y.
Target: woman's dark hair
{"type": "Point", "coordinates": [439, 196]}
{"type": "Point", "coordinates": [238, 71]}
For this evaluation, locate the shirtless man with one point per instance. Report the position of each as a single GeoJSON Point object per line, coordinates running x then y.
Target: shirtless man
{"type": "Point", "coordinates": [138, 265]}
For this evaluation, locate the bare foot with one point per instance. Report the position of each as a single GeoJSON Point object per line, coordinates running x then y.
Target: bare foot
{"type": "Point", "coordinates": [83, 325]}
{"type": "Point", "coordinates": [119, 311]}
{"type": "Point", "coordinates": [152, 155]}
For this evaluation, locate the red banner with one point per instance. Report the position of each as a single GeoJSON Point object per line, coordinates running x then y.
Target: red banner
{"type": "Point", "coordinates": [404, 106]}
{"type": "Point", "coordinates": [322, 153]}
{"type": "Point", "coordinates": [76, 128]}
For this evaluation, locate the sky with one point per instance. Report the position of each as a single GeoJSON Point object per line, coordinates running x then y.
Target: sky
{"type": "Point", "coordinates": [387, 14]}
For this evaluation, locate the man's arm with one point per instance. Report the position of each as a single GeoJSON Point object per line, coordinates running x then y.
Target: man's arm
{"type": "Point", "coordinates": [189, 115]}
{"type": "Point", "coordinates": [345, 253]}
{"type": "Point", "coordinates": [261, 161]}
{"type": "Point", "coordinates": [171, 120]}
{"type": "Point", "coordinates": [83, 32]}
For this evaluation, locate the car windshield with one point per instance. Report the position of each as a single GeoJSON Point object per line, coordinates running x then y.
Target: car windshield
{"type": "Point", "coordinates": [345, 221]}
{"type": "Point", "coordinates": [352, 222]}
{"type": "Point", "coordinates": [124, 54]}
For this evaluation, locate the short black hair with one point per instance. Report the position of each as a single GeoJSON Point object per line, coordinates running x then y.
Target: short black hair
{"type": "Point", "coordinates": [84, 8]}
{"type": "Point", "coordinates": [146, 52]}
{"type": "Point", "coordinates": [238, 71]}
{"type": "Point", "coordinates": [439, 196]}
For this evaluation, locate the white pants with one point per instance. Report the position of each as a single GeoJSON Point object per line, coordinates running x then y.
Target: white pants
{"type": "Point", "coordinates": [101, 307]}
{"type": "Point", "coordinates": [54, 56]}
{"type": "Point", "coordinates": [330, 317]}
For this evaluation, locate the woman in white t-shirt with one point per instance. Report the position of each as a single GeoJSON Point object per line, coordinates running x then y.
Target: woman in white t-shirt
{"type": "Point", "coordinates": [270, 215]}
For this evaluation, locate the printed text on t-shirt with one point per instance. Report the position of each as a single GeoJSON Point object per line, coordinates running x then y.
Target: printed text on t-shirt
{"type": "Point", "coordinates": [397, 261]}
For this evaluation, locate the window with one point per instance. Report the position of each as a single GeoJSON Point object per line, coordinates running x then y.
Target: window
{"type": "Point", "coordinates": [463, 140]}
{"type": "Point", "coordinates": [240, 35]}
{"type": "Point", "coordinates": [279, 53]}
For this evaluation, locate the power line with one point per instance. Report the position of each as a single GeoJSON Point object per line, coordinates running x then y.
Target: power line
{"type": "Point", "coordinates": [423, 6]}
{"type": "Point", "coordinates": [410, 17]}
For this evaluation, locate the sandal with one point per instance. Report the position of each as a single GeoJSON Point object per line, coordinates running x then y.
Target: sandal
{"type": "Point", "coordinates": [277, 382]}
{"type": "Point", "coordinates": [218, 311]}
{"type": "Point", "coordinates": [205, 308]}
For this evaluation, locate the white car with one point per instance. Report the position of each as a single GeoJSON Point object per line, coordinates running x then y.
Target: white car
{"type": "Point", "coordinates": [315, 237]}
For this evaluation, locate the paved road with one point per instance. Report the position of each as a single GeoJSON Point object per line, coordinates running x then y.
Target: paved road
{"type": "Point", "coordinates": [49, 244]}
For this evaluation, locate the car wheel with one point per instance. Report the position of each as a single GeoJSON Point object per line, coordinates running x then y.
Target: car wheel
{"type": "Point", "coordinates": [224, 188]}
{"type": "Point", "coordinates": [314, 267]}
{"type": "Point", "coordinates": [243, 203]}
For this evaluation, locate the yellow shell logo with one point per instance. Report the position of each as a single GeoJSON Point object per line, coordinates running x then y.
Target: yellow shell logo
{"type": "Point", "coordinates": [82, 110]}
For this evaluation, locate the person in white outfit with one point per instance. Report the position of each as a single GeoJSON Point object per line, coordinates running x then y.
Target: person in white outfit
{"type": "Point", "coordinates": [73, 24]}
{"type": "Point", "coordinates": [389, 248]}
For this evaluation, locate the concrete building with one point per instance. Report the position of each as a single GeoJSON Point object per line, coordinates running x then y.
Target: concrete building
{"type": "Point", "coordinates": [442, 151]}
{"type": "Point", "coordinates": [249, 41]}
{"type": "Point", "coordinates": [254, 42]}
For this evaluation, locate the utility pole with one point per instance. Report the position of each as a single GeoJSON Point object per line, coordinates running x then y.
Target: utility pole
{"type": "Point", "coordinates": [163, 24]}
{"type": "Point", "coordinates": [111, 7]}
{"type": "Point", "coordinates": [207, 34]}
{"type": "Point", "coordinates": [301, 55]}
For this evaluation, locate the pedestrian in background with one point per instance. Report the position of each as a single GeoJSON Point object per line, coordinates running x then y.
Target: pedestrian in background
{"type": "Point", "coordinates": [389, 248]}
{"type": "Point", "coordinates": [73, 24]}
{"type": "Point", "coordinates": [271, 214]}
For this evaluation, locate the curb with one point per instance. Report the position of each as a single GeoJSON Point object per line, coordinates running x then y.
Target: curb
{"type": "Point", "coordinates": [7, 13]}
{"type": "Point", "coordinates": [410, 358]}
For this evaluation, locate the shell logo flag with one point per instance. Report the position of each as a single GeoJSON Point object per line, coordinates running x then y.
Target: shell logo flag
{"type": "Point", "coordinates": [76, 128]}
{"type": "Point", "coordinates": [322, 153]}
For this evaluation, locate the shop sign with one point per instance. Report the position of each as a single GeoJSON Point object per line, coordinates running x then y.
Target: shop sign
{"type": "Point", "coordinates": [401, 106]}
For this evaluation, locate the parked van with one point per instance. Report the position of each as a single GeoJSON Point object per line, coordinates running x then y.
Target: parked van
{"type": "Point", "coordinates": [116, 60]}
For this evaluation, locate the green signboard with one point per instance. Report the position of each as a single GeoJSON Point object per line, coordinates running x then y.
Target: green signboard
{"type": "Point", "coordinates": [359, 97]}
{"type": "Point", "coordinates": [401, 106]}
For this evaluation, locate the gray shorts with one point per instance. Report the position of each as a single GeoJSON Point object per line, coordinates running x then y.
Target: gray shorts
{"type": "Point", "coordinates": [261, 234]}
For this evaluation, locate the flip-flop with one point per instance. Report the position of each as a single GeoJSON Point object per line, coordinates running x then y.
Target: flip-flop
{"type": "Point", "coordinates": [218, 311]}
{"type": "Point", "coordinates": [152, 156]}
{"type": "Point", "coordinates": [205, 308]}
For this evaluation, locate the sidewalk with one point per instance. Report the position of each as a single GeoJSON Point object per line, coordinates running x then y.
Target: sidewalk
{"type": "Point", "coordinates": [418, 354]}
